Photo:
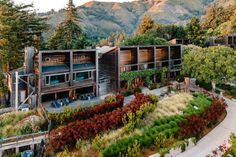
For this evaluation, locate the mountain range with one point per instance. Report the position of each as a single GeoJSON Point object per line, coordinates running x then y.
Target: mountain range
{"type": "Point", "coordinates": [100, 19]}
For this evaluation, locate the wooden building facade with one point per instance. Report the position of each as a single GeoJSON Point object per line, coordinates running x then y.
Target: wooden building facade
{"type": "Point", "coordinates": [66, 74]}
{"type": "Point", "coordinates": [137, 58]}
{"type": "Point", "coordinates": [229, 40]}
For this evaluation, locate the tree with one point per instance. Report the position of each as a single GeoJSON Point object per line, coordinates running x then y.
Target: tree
{"type": "Point", "coordinates": [115, 39]}
{"type": "Point", "coordinates": [195, 33]}
{"type": "Point", "coordinates": [68, 34]}
{"type": "Point", "coordinates": [212, 65]}
{"type": "Point", "coordinates": [217, 15]}
{"type": "Point", "coordinates": [219, 19]}
{"type": "Point", "coordinates": [19, 27]}
{"type": "Point", "coordinates": [146, 24]}
{"type": "Point", "coordinates": [144, 40]}
{"type": "Point", "coordinates": [3, 87]}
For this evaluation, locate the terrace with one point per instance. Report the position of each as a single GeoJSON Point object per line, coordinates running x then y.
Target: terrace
{"type": "Point", "coordinates": [175, 57]}
{"type": "Point", "coordinates": [146, 58]}
{"type": "Point", "coordinates": [84, 60]}
{"type": "Point", "coordinates": [54, 63]}
{"type": "Point", "coordinates": [128, 59]}
{"type": "Point", "coordinates": [162, 57]}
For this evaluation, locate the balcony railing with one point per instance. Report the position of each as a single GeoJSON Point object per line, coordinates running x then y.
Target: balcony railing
{"type": "Point", "coordinates": [84, 82]}
{"type": "Point", "coordinates": [59, 86]}
{"type": "Point", "coordinates": [160, 64]}
{"type": "Point", "coordinates": [128, 68]}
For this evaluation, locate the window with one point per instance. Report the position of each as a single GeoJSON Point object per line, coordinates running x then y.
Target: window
{"type": "Point", "coordinates": [47, 80]}
{"type": "Point", "coordinates": [67, 77]}
{"type": "Point", "coordinates": [82, 76]}
{"type": "Point", "coordinates": [57, 79]}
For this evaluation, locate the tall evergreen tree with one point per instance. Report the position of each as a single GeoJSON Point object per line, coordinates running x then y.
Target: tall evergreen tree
{"type": "Point", "coordinates": [19, 27]}
{"type": "Point", "coordinates": [68, 34]}
{"type": "Point", "coordinates": [195, 33]}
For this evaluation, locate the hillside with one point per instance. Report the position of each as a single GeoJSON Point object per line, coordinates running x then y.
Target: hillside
{"type": "Point", "coordinates": [99, 19]}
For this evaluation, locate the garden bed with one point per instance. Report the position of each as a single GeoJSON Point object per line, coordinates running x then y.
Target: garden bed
{"type": "Point", "coordinates": [129, 134]}
{"type": "Point", "coordinates": [21, 123]}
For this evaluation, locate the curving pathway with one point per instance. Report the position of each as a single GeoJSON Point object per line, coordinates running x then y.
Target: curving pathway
{"type": "Point", "coordinates": [216, 137]}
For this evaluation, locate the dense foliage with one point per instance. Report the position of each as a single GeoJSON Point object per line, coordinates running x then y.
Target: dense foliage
{"type": "Point", "coordinates": [87, 129]}
{"type": "Point", "coordinates": [144, 39]}
{"type": "Point", "coordinates": [68, 34]}
{"type": "Point", "coordinates": [19, 27]}
{"type": "Point", "coordinates": [194, 125]}
{"type": "Point", "coordinates": [82, 114]}
{"type": "Point", "coordinates": [195, 33]}
{"type": "Point", "coordinates": [115, 39]}
{"type": "Point", "coordinates": [145, 24]}
{"type": "Point", "coordinates": [18, 123]}
{"type": "Point", "coordinates": [211, 65]}
{"type": "Point", "coordinates": [220, 20]}
{"type": "Point", "coordinates": [146, 74]}
{"type": "Point", "coordinates": [164, 129]}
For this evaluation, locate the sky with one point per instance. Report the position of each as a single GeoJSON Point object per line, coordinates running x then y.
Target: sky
{"type": "Point", "coordinates": [47, 5]}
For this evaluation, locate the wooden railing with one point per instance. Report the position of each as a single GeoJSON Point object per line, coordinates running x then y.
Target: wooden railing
{"type": "Point", "coordinates": [24, 140]}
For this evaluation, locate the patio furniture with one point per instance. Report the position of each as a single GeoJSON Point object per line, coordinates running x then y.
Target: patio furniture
{"type": "Point", "coordinates": [66, 101]}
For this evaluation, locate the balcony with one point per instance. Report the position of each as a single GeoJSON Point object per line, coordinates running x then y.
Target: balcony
{"type": "Point", "coordinates": [128, 68]}
{"type": "Point", "coordinates": [144, 66]}
{"type": "Point", "coordinates": [55, 88]}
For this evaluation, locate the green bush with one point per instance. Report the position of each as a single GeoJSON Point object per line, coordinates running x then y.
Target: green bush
{"type": "Point", "coordinates": [110, 99]}
{"type": "Point", "coordinates": [204, 85]}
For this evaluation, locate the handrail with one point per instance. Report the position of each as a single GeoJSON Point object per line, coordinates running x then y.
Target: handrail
{"type": "Point", "coordinates": [17, 139]}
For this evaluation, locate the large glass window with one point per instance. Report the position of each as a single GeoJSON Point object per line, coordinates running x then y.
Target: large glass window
{"type": "Point", "coordinates": [57, 79]}
{"type": "Point", "coordinates": [82, 76]}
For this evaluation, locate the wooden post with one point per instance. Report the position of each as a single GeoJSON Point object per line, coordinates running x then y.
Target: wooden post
{"type": "Point", "coordinates": [71, 68]}
{"type": "Point", "coordinates": [16, 88]}
{"type": "Point", "coordinates": [40, 78]}
{"type": "Point", "coordinates": [138, 60]}
{"type": "Point", "coordinates": [97, 74]}
{"type": "Point", "coordinates": [118, 65]}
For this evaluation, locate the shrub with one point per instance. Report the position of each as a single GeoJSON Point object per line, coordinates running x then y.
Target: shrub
{"type": "Point", "coordinates": [232, 150]}
{"type": "Point", "coordinates": [82, 114]}
{"type": "Point", "coordinates": [110, 99]}
{"type": "Point", "coordinates": [88, 129]}
{"type": "Point", "coordinates": [134, 150]}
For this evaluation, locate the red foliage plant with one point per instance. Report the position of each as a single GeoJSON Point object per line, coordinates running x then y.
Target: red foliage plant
{"type": "Point", "coordinates": [215, 111]}
{"type": "Point", "coordinates": [96, 110]}
{"type": "Point", "coordinates": [194, 125]}
{"type": "Point", "coordinates": [87, 129]}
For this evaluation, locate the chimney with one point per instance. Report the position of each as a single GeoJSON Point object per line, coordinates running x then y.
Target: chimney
{"type": "Point", "coordinates": [29, 60]}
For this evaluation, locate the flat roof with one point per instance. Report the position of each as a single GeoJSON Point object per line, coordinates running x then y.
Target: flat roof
{"type": "Point", "coordinates": [66, 51]}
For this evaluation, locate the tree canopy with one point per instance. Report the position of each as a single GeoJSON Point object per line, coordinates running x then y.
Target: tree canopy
{"type": "Point", "coordinates": [19, 27]}
{"type": "Point", "coordinates": [144, 39]}
{"type": "Point", "coordinates": [211, 65]}
{"type": "Point", "coordinates": [69, 34]}
{"type": "Point", "coordinates": [115, 39]}
{"type": "Point", "coordinates": [195, 33]}
{"type": "Point", "coordinates": [145, 24]}
{"type": "Point", "coordinates": [220, 20]}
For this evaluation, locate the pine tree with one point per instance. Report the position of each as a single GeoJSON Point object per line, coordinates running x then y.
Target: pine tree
{"type": "Point", "coordinates": [146, 24]}
{"type": "Point", "coordinates": [19, 27]}
{"type": "Point", "coordinates": [68, 34]}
